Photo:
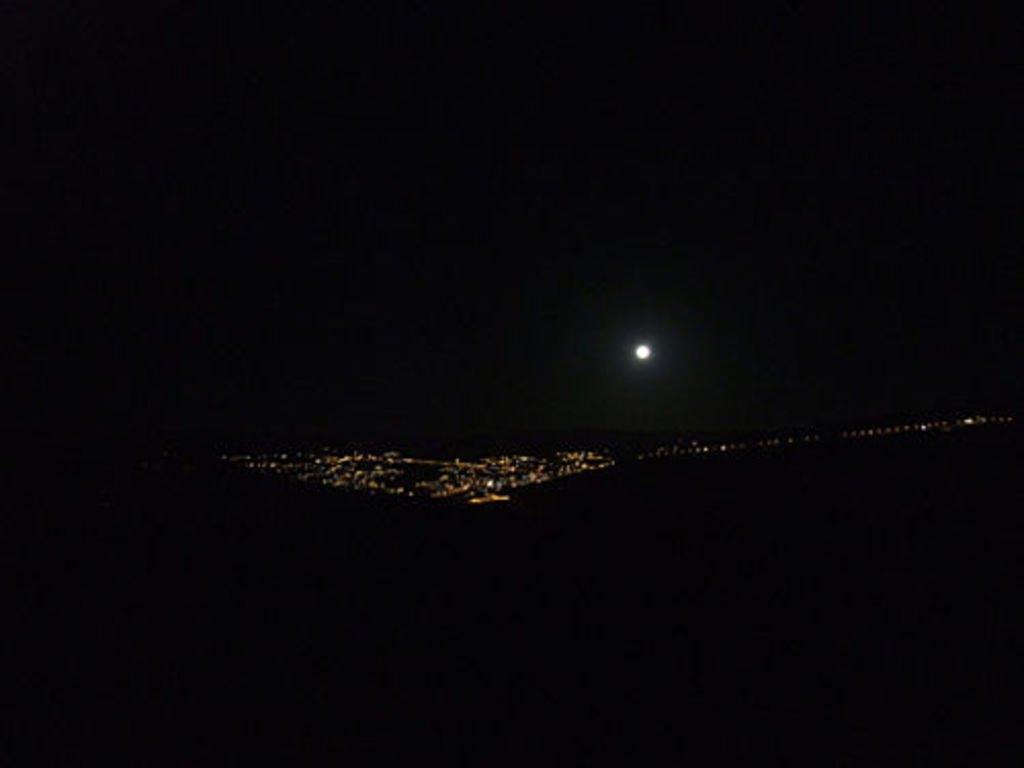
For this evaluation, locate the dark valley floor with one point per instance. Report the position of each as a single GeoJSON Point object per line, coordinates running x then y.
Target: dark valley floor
{"type": "Point", "coordinates": [846, 604]}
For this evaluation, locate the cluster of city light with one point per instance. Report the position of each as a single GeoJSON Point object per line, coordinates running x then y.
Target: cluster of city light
{"type": "Point", "coordinates": [946, 425]}
{"type": "Point", "coordinates": [491, 478]}
{"type": "Point", "coordinates": [475, 481]}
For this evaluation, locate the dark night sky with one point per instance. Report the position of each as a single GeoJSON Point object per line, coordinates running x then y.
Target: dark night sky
{"type": "Point", "coordinates": [376, 216]}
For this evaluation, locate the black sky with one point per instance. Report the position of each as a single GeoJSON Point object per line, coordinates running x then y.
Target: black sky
{"type": "Point", "coordinates": [375, 216]}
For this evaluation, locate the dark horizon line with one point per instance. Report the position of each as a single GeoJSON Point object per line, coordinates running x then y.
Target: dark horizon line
{"type": "Point", "coordinates": [233, 437]}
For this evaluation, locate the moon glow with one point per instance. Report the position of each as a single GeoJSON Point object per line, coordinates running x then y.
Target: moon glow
{"type": "Point", "coordinates": [642, 352]}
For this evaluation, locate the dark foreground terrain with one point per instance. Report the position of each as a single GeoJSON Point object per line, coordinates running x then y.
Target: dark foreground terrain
{"type": "Point", "coordinates": [852, 604]}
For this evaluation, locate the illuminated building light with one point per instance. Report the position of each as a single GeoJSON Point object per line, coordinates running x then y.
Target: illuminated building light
{"type": "Point", "coordinates": [490, 497]}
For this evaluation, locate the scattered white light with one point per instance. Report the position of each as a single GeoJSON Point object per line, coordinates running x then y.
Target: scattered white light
{"type": "Point", "coordinates": [643, 352]}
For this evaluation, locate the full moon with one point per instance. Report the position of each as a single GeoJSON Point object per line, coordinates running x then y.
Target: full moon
{"type": "Point", "coordinates": [643, 351]}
